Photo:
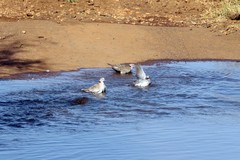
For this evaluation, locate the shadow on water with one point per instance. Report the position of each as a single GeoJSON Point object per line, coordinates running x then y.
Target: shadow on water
{"type": "Point", "coordinates": [9, 51]}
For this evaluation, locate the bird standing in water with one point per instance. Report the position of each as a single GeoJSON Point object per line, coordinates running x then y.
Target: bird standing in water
{"type": "Point", "coordinates": [143, 80]}
{"type": "Point", "coordinates": [122, 68]}
{"type": "Point", "coordinates": [97, 88]}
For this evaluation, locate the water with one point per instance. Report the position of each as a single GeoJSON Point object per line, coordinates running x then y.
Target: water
{"type": "Point", "coordinates": [191, 111]}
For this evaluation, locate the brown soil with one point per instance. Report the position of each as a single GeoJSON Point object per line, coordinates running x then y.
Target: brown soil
{"type": "Point", "coordinates": [55, 35]}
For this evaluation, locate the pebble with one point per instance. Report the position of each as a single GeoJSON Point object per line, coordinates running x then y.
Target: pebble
{"type": "Point", "coordinates": [81, 101]}
{"type": "Point", "coordinates": [30, 14]}
{"type": "Point", "coordinates": [151, 19]}
{"type": "Point", "coordinates": [2, 37]}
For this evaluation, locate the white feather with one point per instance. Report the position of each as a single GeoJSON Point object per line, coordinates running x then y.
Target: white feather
{"type": "Point", "coordinates": [140, 72]}
{"type": "Point", "coordinates": [142, 82]}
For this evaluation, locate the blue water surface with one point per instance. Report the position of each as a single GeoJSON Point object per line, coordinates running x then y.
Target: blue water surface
{"type": "Point", "coordinates": [191, 111]}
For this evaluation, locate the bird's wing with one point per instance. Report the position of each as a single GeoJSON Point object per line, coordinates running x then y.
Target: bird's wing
{"type": "Point", "coordinates": [110, 64]}
{"type": "Point", "coordinates": [94, 89]}
{"type": "Point", "coordinates": [140, 72]}
{"type": "Point", "coordinates": [126, 68]}
{"type": "Point", "coordinates": [142, 82]}
{"type": "Point", "coordinates": [115, 67]}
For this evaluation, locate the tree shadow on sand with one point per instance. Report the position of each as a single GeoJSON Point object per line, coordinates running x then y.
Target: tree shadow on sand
{"type": "Point", "coordinates": [7, 58]}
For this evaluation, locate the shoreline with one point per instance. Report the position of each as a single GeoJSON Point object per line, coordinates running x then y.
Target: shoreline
{"type": "Point", "coordinates": [43, 74]}
{"type": "Point", "coordinates": [37, 46]}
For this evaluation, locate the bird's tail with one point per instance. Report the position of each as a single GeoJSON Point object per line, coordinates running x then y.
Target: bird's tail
{"type": "Point", "coordinates": [85, 90]}
{"type": "Point", "coordinates": [110, 64]}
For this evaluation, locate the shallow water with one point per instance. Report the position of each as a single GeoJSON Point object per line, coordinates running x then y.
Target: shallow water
{"type": "Point", "coordinates": [191, 111]}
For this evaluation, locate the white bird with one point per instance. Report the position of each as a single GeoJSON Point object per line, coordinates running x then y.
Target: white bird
{"type": "Point", "coordinates": [122, 68]}
{"type": "Point", "coordinates": [140, 72]}
{"type": "Point", "coordinates": [143, 80]}
{"type": "Point", "coordinates": [96, 88]}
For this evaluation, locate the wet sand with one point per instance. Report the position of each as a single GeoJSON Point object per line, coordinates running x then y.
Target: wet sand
{"type": "Point", "coordinates": [35, 46]}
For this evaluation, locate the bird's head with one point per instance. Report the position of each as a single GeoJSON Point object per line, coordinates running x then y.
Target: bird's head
{"type": "Point", "coordinates": [132, 65]}
{"type": "Point", "coordinates": [102, 79]}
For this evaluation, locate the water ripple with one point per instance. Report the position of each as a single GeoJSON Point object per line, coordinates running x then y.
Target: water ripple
{"type": "Point", "coordinates": [191, 111]}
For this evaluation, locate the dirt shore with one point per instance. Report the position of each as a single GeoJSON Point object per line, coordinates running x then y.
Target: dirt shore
{"type": "Point", "coordinates": [34, 46]}
{"type": "Point", "coordinates": [61, 35]}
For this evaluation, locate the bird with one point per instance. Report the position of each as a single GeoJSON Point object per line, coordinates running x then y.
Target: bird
{"type": "Point", "coordinates": [140, 72]}
{"type": "Point", "coordinates": [96, 88]}
{"type": "Point", "coordinates": [122, 68]}
{"type": "Point", "coordinates": [143, 80]}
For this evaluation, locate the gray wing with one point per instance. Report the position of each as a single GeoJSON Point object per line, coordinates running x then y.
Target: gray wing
{"type": "Point", "coordinates": [140, 72]}
{"type": "Point", "coordinates": [122, 68]}
{"type": "Point", "coordinates": [115, 67]}
{"type": "Point", "coordinates": [142, 82]}
{"type": "Point", "coordinates": [126, 68]}
{"type": "Point", "coordinates": [94, 89]}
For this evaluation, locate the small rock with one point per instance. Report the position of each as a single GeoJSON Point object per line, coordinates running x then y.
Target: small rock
{"type": "Point", "coordinates": [88, 11]}
{"type": "Point", "coordinates": [38, 14]}
{"type": "Point", "coordinates": [82, 100]}
{"type": "Point", "coordinates": [82, 11]}
{"type": "Point", "coordinates": [235, 16]}
{"type": "Point", "coordinates": [194, 23]}
{"type": "Point", "coordinates": [21, 45]}
{"type": "Point", "coordinates": [133, 18]}
{"type": "Point", "coordinates": [24, 32]}
{"type": "Point", "coordinates": [151, 19]}
{"type": "Point", "coordinates": [102, 14]}
{"type": "Point", "coordinates": [2, 37]}
{"type": "Point", "coordinates": [208, 25]}
{"type": "Point", "coordinates": [90, 3]}
{"type": "Point", "coordinates": [181, 22]}
{"type": "Point", "coordinates": [30, 14]}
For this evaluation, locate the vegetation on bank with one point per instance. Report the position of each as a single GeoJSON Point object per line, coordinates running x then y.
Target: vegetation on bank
{"type": "Point", "coordinates": [227, 9]}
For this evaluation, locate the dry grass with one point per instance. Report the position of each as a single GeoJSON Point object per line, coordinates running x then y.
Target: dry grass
{"type": "Point", "coordinates": [223, 10]}
{"type": "Point", "coordinates": [232, 26]}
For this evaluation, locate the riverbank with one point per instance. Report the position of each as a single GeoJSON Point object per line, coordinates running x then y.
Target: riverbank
{"type": "Point", "coordinates": [38, 45]}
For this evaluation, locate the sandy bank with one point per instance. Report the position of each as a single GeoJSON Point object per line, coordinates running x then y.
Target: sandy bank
{"type": "Point", "coordinates": [32, 46]}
